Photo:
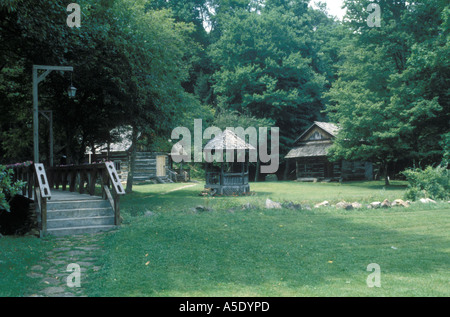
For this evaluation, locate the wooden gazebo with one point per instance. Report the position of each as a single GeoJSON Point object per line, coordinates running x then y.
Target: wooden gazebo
{"type": "Point", "coordinates": [228, 178]}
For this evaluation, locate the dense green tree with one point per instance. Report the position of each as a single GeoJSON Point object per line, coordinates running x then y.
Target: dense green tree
{"type": "Point", "coordinates": [384, 99]}
{"type": "Point", "coordinates": [156, 46]}
{"type": "Point", "coordinates": [129, 63]}
{"type": "Point", "coordinates": [269, 66]}
{"type": "Point", "coordinates": [35, 32]}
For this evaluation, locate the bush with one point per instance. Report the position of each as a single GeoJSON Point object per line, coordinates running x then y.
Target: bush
{"type": "Point", "coordinates": [432, 182]}
{"type": "Point", "coordinates": [8, 189]}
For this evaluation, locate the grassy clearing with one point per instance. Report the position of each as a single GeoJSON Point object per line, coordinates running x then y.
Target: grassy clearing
{"type": "Point", "coordinates": [158, 198]}
{"type": "Point", "coordinates": [17, 255]}
{"type": "Point", "coordinates": [174, 251]}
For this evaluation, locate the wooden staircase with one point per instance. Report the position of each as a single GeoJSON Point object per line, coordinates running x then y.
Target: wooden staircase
{"type": "Point", "coordinates": [65, 200]}
{"type": "Point", "coordinates": [74, 214]}
{"type": "Point", "coordinates": [164, 180]}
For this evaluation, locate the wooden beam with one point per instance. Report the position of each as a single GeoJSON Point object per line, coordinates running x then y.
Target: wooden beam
{"type": "Point", "coordinates": [51, 68]}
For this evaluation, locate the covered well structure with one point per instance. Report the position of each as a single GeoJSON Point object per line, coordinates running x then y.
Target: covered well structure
{"type": "Point", "coordinates": [227, 176]}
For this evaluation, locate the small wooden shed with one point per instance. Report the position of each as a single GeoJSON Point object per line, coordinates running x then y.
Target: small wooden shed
{"type": "Point", "coordinates": [228, 178]}
{"type": "Point", "coordinates": [310, 153]}
{"type": "Point", "coordinates": [149, 166]}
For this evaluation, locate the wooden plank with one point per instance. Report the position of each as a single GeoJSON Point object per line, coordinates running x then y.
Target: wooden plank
{"type": "Point", "coordinates": [42, 182]}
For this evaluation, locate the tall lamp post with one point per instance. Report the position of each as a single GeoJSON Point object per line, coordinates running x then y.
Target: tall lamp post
{"type": "Point", "coordinates": [37, 78]}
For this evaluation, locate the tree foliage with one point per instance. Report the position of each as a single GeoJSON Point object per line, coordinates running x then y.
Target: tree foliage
{"type": "Point", "coordinates": [269, 66]}
{"type": "Point", "coordinates": [154, 65]}
{"type": "Point", "coordinates": [390, 97]}
{"type": "Point", "coordinates": [8, 188]}
{"type": "Point", "coordinates": [129, 66]}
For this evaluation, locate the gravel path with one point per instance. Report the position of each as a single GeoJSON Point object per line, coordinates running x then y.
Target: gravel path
{"type": "Point", "coordinates": [52, 271]}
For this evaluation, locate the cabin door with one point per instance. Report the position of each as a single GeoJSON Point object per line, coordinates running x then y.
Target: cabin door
{"type": "Point", "coordinates": [161, 166]}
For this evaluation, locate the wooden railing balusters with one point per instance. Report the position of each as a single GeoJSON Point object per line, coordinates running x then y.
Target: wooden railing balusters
{"type": "Point", "coordinates": [83, 178]}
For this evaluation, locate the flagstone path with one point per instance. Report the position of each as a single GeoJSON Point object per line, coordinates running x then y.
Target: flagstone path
{"type": "Point", "coordinates": [52, 271]}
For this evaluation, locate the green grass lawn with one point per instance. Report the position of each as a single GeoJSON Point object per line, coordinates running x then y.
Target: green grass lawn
{"type": "Point", "coordinates": [163, 197]}
{"type": "Point", "coordinates": [174, 251]}
{"type": "Point", "coordinates": [166, 248]}
{"type": "Point", "coordinates": [17, 255]}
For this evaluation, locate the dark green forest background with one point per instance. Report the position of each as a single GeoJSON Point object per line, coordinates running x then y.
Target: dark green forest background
{"type": "Point", "coordinates": [156, 64]}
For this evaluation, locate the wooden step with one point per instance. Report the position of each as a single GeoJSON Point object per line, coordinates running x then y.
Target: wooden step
{"type": "Point", "coordinates": [74, 214]}
{"type": "Point", "coordinates": [79, 213]}
{"type": "Point", "coordinates": [60, 232]}
{"type": "Point", "coordinates": [73, 204]}
{"type": "Point", "coordinates": [66, 223]}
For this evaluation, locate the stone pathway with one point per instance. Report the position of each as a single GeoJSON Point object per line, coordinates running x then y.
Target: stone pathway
{"type": "Point", "coordinates": [52, 271]}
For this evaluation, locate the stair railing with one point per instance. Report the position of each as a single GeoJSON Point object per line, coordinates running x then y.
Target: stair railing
{"type": "Point", "coordinates": [110, 177]}
{"type": "Point", "coordinates": [36, 188]}
{"type": "Point", "coordinates": [42, 193]}
{"type": "Point", "coordinates": [93, 179]}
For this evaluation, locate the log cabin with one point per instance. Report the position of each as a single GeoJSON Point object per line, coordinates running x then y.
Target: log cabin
{"type": "Point", "coordinates": [310, 153]}
{"type": "Point", "coordinates": [149, 166]}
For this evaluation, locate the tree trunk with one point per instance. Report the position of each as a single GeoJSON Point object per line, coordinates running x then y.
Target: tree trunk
{"type": "Point", "coordinates": [258, 167]}
{"type": "Point", "coordinates": [286, 170]}
{"type": "Point", "coordinates": [132, 161]}
{"type": "Point", "coordinates": [386, 175]}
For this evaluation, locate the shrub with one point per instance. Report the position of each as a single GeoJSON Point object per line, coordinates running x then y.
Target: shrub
{"type": "Point", "coordinates": [8, 188]}
{"type": "Point", "coordinates": [432, 182]}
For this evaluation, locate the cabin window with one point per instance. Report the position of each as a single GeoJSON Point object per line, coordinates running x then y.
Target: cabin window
{"type": "Point", "coordinates": [316, 136]}
{"type": "Point", "coordinates": [117, 165]}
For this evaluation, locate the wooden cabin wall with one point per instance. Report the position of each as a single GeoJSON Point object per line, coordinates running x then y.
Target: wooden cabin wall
{"type": "Point", "coordinates": [121, 161]}
{"type": "Point", "coordinates": [357, 170]}
{"type": "Point", "coordinates": [321, 168]}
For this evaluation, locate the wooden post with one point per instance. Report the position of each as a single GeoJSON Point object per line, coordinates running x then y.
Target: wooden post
{"type": "Point", "coordinates": [93, 177]}
{"type": "Point", "coordinates": [73, 179]}
{"type": "Point", "coordinates": [43, 215]}
{"type": "Point", "coordinates": [64, 180]}
{"type": "Point", "coordinates": [35, 116]}
{"type": "Point", "coordinates": [117, 210]}
{"type": "Point", "coordinates": [81, 184]}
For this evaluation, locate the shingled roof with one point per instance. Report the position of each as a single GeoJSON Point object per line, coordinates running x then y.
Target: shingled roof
{"type": "Point", "coordinates": [310, 150]}
{"type": "Point", "coordinates": [314, 148]}
{"type": "Point", "coordinates": [330, 128]}
{"type": "Point", "coordinates": [228, 140]}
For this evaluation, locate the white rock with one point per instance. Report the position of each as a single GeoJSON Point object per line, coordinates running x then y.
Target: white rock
{"type": "Point", "coordinates": [272, 204]}
{"type": "Point", "coordinates": [427, 200]}
{"type": "Point", "coordinates": [344, 205]}
{"type": "Point", "coordinates": [375, 204]}
{"type": "Point", "coordinates": [400, 202]}
{"type": "Point", "coordinates": [322, 204]}
{"type": "Point", "coordinates": [386, 204]}
{"type": "Point", "coordinates": [356, 205]}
